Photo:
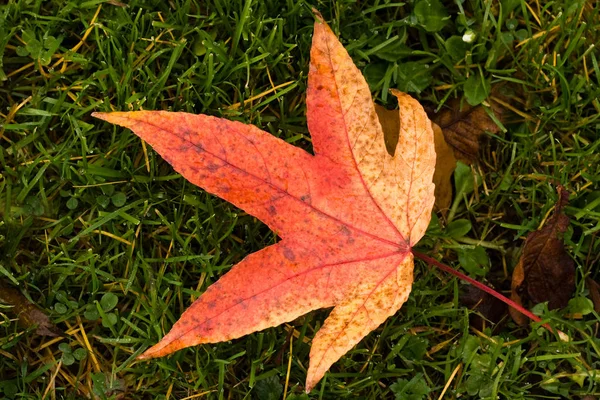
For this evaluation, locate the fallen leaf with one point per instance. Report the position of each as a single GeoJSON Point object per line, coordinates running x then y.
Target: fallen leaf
{"type": "Point", "coordinates": [594, 288]}
{"type": "Point", "coordinates": [464, 127]}
{"type": "Point", "coordinates": [445, 163]}
{"type": "Point", "coordinates": [28, 314]}
{"type": "Point", "coordinates": [545, 272]}
{"type": "Point", "coordinates": [488, 307]}
{"type": "Point", "coordinates": [347, 216]}
{"type": "Point", "coordinates": [116, 3]}
{"type": "Point", "coordinates": [390, 125]}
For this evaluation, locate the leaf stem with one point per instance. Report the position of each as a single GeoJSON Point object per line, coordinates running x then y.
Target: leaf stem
{"type": "Point", "coordinates": [479, 285]}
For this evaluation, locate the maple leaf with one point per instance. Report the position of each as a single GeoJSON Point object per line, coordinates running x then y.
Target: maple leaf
{"type": "Point", "coordinates": [347, 215]}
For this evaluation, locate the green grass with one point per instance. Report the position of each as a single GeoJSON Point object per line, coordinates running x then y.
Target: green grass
{"type": "Point", "coordinates": [90, 217]}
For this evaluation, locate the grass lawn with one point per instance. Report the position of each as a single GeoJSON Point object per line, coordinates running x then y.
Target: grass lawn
{"type": "Point", "coordinates": [113, 245]}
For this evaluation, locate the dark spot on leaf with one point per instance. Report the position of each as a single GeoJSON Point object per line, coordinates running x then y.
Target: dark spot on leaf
{"type": "Point", "coordinates": [289, 254]}
{"type": "Point", "coordinates": [212, 167]}
{"type": "Point", "coordinates": [184, 148]}
{"type": "Point", "coordinates": [272, 210]}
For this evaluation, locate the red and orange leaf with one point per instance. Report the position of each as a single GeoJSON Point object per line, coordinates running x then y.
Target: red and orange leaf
{"type": "Point", "coordinates": [347, 215]}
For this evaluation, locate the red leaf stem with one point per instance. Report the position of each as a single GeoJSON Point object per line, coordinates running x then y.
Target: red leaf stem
{"type": "Point", "coordinates": [481, 286]}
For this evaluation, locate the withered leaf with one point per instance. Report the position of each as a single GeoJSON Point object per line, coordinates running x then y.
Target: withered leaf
{"type": "Point", "coordinates": [445, 164]}
{"type": "Point", "coordinates": [28, 314]}
{"type": "Point", "coordinates": [390, 124]}
{"type": "Point", "coordinates": [594, 288]}
{"type": "Point", "coordinates": [545, 272]}
{"type": "Point", "coordinates": [464, 127]}
{"type": "Point", "coordinates": [488, 306]}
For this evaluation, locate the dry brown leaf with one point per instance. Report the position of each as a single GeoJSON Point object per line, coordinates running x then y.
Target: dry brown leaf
{"type": "Point", "coordinates": [465, 127]}
{"type": "Point", "coordinates": [390, 124]}
{"type": "Point", "coordinates": [518, 277]}
{"type": "Point", "coordinates": [116, 3]}
{"type": "Point", "coordinates": [545, 272]}
{"type": "Point", "coordinates": [445, 163]}
{"type": "Point", "coordinates": [487, 306]}
{"type": "Point", "coordinates": [594, 288]}
{"type": "Point", "coordinates": [29, 314]}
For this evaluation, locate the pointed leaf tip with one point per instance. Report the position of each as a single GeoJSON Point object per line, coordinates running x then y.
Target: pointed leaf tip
{"type": "Point", "coordinates": [101, 115]}
{"type": "Point", "coordinates": [144, 356]}
{"type": "Point", "coordinates": [110, 117]}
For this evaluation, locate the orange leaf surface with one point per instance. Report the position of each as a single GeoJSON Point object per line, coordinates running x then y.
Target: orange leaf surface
{"type": "Point", "coordinates": [347, 215]}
